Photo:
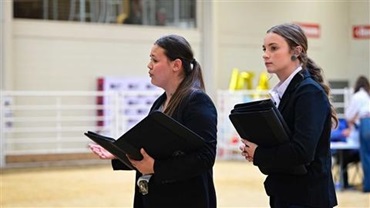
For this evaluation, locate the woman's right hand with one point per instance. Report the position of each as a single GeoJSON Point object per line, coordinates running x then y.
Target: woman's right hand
{"type": "Point", "coordinates": [101, 152]}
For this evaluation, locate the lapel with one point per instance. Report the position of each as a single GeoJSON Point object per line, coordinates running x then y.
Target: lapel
{"type": "Point", "coordinates": [297, 79]}
{"type": "Point", "coordinates": [157, 104]}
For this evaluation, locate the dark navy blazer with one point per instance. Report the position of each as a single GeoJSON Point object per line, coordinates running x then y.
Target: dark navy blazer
{"type": "Point", "coordinates": [187, 180]}
{"type": "Point", "coordinates": [306, 110]}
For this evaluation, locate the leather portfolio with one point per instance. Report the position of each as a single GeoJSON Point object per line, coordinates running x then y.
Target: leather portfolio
{"type": "Point", "coordinates": [161, 136]}
{"type": "Point", "coordinates": [261, 123]}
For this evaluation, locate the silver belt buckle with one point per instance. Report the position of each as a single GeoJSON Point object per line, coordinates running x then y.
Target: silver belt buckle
{"type": "Point", "coordinates": [142, 183]}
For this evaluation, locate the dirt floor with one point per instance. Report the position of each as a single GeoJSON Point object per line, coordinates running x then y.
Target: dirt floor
{"type": "Point", "coordinates": [238, 184]}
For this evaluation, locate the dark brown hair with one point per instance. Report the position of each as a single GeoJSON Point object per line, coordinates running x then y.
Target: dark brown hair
{"type": "Point", "coordinates": [362, 82]}
{"type": "Point", "coordinates": [294, 36]}
{"type": "Point", "coordinates": [177, 47]}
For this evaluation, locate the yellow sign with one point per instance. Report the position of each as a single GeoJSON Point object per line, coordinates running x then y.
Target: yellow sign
{"type": "Point", "coordinates": [241, 80]}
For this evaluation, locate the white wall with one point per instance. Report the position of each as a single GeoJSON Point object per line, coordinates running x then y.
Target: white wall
{"type": "Point", "coordinates": [2, 32]}
{"type": "Point", "coordinates": [6, 45]}
{"type": "Point", "coordinates": [48, 55]}
{"type": "Point", "coordinates": [70, 56]}
{"type": "Point", "coordinates": [243, 25]}
{"type": "Point", "coordinates": [359, 52]}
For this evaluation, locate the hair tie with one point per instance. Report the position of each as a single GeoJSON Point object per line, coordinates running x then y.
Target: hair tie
{"type": "Point", "coordinates": [192, 64]}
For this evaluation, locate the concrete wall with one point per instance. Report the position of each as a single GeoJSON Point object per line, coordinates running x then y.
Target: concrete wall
{"type": "Point", "coordinates": [70, 56]}
{"type": "Point", "coordinates": [359, 51]}
{"type": "Point", "coordinates": [245, 23]}
{"type": "Point", "coordinates": [54, 55]}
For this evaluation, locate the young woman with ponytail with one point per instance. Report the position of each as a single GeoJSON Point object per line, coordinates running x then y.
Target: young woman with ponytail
{"type": "Point", "coordinates": [303, 98]}
{"type": "Point", "coordinates": [185, 180]}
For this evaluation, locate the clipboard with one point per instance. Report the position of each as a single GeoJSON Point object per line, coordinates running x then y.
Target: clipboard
{"type": "Point", "coordinates": [161, 136]}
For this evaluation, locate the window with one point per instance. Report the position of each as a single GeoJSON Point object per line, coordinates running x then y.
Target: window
{"type": "Point", "coordinates": [175, 13]}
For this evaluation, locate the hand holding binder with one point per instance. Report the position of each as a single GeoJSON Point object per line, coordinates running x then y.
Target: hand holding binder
{"type": "Point", "coordinates": [161, 136]}
{"type": "Point", "coordinates": [261, 123]}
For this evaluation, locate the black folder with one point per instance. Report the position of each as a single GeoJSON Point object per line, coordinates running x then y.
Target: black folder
{"type": "Point", "coordinates": [161, 136]}
{"type": "Point", "coordinates": [262, 123]}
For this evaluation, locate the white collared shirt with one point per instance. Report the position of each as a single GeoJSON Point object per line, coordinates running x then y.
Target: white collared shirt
{"type": "Point", "coordinates": [359, 105]}
{"type": "Point", "coordinates": [278, 91]}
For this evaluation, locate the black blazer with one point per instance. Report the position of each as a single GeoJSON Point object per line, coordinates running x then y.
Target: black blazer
{"type": "Point", "coordinates": [306, 110]}
{"type": "Point", "coordinates": [186, 180]}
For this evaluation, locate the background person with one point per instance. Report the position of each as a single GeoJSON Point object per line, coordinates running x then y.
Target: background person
{"type": "Point", "coordinates": [303, 100]}
{"type": "Point", "coordinates": [185, 180]}
{"type": "Point", "coordinates": [358, 109]}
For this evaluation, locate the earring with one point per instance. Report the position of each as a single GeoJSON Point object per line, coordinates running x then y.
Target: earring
{"type": "Point", "coordinates": [293, 58]}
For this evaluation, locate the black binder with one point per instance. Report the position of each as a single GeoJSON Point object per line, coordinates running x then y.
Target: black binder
{"type": "Point", "coordinates": [261, 122]}
{"type": "Point", "coordinates": [108, 144]}
{"type": "Point", "coordinates": [161, 136]}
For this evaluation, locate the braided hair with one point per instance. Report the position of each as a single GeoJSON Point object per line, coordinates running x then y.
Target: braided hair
{"type": "Point", "coordinates": [294, 35]}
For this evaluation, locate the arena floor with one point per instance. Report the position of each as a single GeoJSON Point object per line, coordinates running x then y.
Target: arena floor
{"type": "Point", "coordinates": [238, 184]}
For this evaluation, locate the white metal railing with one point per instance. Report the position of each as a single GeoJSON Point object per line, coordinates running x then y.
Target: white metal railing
{"type": "Point", "coordinates": [34, 122]}
{"type": "Point", "coordinates": [54, 122]}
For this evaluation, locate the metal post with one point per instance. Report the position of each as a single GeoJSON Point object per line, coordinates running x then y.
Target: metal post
{"type": "Point", "coordinates": [45, 9]}
{"type": "Point", "coordinates": [82, 11]}
{"type": "Point", "coordinates": [176, 13]}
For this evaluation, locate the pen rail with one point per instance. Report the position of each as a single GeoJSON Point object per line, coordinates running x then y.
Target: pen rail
{"type": "Point", "coordinates": [53, 122]}
{"type": "Point", "coordinates": [43, 123]}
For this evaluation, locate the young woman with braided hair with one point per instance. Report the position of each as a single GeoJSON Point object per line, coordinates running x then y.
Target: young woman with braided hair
{"type": "Point", "coordinates": [303, 99]}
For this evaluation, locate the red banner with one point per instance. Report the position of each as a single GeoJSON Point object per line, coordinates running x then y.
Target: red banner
{"type": "Point", "coordinates": [361, 32]}
{"type": "Point", "coordinates": [311, 30]}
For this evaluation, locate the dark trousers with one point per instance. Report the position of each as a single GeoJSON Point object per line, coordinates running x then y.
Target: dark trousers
{"type": "Point", "coordinates": [364, 131]}
{"type": "Point", "coordinates": [348, 156]}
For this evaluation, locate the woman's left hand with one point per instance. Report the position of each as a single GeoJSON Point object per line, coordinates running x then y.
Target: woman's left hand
{"type": "Point", "coordinates": [144, 166]}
